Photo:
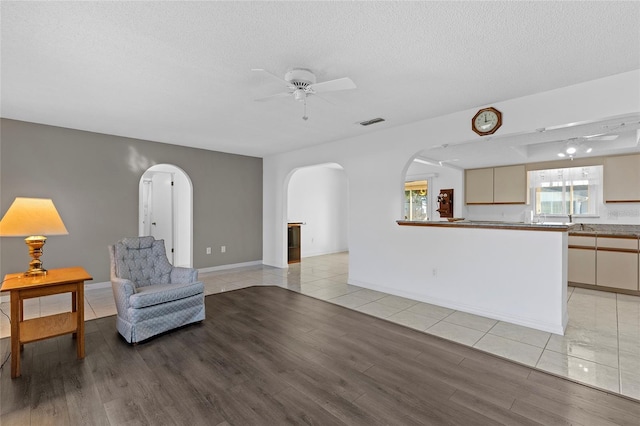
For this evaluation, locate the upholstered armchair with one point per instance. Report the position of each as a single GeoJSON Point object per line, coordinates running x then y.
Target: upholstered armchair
{"type": "Point", "coordinates": [151, 295]}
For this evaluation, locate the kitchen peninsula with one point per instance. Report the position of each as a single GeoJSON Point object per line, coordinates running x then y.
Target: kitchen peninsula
{"type": "Point", "coordinates": [513, 272]}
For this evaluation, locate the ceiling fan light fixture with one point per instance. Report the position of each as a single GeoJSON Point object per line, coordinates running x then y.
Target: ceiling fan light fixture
{"type": "Point", "coordinates": [561, 154]}
{"type": "Point", "coordinates": [571, 149]}
{"type": "Point", "coordinates": [299, 94]}
{"type": "Point", "coordinates": [589, 149]}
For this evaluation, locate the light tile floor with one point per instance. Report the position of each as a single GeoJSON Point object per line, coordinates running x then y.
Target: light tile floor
{"type": "Point", "coordinates": [601, 346]}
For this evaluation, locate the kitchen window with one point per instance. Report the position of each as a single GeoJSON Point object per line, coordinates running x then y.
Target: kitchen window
{"type": "Point", "coordinates": [569, 191]}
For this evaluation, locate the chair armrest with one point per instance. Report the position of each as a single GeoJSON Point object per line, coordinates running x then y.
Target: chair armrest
{"type": "Point", "coordinates": [122, 290]}
{"type": "Point", "coordinates": [183, 275]}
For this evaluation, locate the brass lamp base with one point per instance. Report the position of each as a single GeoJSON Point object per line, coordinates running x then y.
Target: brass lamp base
{"type": "Point", "coordinates": [35, 244]}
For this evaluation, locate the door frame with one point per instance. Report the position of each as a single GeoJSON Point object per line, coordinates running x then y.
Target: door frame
{"type": "Point", "coordinates": [182, 211]}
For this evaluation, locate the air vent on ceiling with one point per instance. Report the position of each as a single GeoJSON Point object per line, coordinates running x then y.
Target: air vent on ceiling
{"type": "Point", "coordinates": [372, 121]}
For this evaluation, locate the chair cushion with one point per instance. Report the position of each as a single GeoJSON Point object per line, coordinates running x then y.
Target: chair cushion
{"type": "Point", "coordinates": [143, 261]}
{"type": "Point", "coordinates": [157, 294]}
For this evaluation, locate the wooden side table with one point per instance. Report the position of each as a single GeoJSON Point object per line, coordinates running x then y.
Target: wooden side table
{"type": "Point", "coordinates": [65, 280]}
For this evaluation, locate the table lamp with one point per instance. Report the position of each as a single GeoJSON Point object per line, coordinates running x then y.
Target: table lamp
{"type": "Point", "coordinates": [32, 218]}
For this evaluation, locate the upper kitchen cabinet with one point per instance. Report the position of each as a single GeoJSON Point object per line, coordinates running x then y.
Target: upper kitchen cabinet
{"type": "Point", "coordinates": [622, 179]}
{"type": "Point", "coordinates": [496, 185]}
{"type": "Point", "coordinates": [510, 185]}
{"type": "Point", "coordinates": [479, 186]}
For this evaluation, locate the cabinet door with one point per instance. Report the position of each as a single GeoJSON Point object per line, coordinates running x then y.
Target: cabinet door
{"type": "Point", "coordinates": [617, 269]}
{"type": "Point", "coordinates": [622, 179]}
{"type": "Point", "coordinates": [582, 266]}
{"type": "Point", "coordinates": [617, 263]}
{"type": "Point", "coordinates": [479, 186]}
{"type": "Point", "coordinates": [510, 185]}
{"type": "Point", "coordinates": [582, 260]}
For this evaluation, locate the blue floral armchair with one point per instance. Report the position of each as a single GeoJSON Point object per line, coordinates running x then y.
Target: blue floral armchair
{"type": "Point", "coordinates": [151, 295]}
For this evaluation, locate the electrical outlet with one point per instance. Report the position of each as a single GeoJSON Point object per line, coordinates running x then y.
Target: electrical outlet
{"type": "Point", "coordinates": [208, 250]}
{"type": "Point", "coordinates": [434, 272]}
{"type": "Point", "coordinates": [223, 249]}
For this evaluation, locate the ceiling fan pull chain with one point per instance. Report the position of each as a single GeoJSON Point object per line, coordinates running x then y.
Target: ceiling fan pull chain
{"type": "Point", "coordinates": [304, 117]}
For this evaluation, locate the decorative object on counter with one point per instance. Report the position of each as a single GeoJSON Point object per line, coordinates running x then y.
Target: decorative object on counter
{"type": "Point", "coordinates": [445, 203]}
{"type": "Point", "coordinates": [455, 219]}
{"type": "Point", "coordinates": [33, 218]}
{"type": "Point", "coordinates": [486, 121]}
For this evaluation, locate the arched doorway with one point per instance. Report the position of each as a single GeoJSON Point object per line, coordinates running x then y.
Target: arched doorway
{"type": "Point", "coordinates": [165, 211]}
{"type": "Point", "coordinates": [317, 197]}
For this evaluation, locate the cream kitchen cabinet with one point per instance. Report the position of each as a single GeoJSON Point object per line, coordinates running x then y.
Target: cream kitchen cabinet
{"type": "Point", "coordinates": [496, 185]}
{"type": "Point", "coordinates": [622, 179]}
{"type": "Point", "coordinates": [582, 260]}
{"type": "Point", "coordinates": [510, 185]}
{"type": "Point", "coordinates": [617, 263]}
{"type": "Point", "coordinates": [479, 186]}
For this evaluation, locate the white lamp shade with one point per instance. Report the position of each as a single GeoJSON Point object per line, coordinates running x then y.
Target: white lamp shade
{"type": "Point", "coordinates": [32, 216]}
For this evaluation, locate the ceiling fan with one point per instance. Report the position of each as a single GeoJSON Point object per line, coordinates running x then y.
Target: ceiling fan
{"type": "Point", "coordinates": [301, 83]}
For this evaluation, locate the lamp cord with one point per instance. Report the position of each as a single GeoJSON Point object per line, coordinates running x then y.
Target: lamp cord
{"type": "Point", "coordinates": [9, 318]}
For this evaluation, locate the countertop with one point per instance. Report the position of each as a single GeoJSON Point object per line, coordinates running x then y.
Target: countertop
{"type": "Point", "coordinates": [578, 229]}
{"type": "Point", "coordinates": [605, 230]}
{"type": "Point", "coordinates": [521, 226]}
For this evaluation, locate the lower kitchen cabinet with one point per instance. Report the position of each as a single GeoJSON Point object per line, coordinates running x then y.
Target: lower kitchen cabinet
{"type": "Point", "coordinates": [617, 263]}
{"type": "Point", "coordinates": [617, 270]}
{"type": "Point", "coordinates": [609, 262]}
{"type": "Point", "coordinates": [582, 265]}
{"type": "Point", "coordinates": [582, 260]}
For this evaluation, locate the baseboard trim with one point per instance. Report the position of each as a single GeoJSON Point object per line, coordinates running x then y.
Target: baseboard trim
{"type": "Point", "coordinates": [229, 266]}
{"type": "Point", "coordinates": [107, 284]}
{"type": "Point", "coordinates": [499, 316]}
{"type": "Point", "coordinates": [93, 286]}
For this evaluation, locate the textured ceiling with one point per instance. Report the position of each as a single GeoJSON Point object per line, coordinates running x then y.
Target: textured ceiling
{"type": "Point", "coordinates": [180, 72]}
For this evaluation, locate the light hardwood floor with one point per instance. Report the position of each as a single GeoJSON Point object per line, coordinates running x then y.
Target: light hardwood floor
{"type": "Point", "coordinates": [270, 356]}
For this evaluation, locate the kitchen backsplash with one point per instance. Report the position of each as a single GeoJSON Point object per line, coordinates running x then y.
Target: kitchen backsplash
{"type": "Point", "coordinates": [618, 213]}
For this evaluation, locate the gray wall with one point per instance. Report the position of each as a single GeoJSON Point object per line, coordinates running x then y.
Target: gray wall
{"type": "Point", "coordinates": [93, 181]}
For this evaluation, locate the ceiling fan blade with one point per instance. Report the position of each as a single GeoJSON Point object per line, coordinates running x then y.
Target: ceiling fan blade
{"type": "Point", "coordinates": [271, 97]}
{"type": "Point", "coordinates": [344, 83]}
{"type": "Point", "coordinates": [602, 138]}
{"type": "Point", "coordinates": [315, 95]}
{"type": "Point", "coordinates": [281, 80]}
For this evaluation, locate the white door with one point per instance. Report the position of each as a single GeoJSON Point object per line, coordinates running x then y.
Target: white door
{"type": "Point", "coordinates": [161, 210]}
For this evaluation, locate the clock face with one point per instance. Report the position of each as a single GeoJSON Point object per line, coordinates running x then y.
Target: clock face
{"type": "Point", "coordinates": [486, 121]}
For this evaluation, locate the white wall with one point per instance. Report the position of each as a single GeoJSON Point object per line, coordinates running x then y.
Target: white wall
{"type": "Point", "coordinates": [318, 197]}
{"type": "Point", "coordinates": [375, 164]}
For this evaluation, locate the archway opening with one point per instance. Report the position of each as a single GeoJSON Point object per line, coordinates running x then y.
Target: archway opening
{"type": "Point", "coordinates": [165, 211]}
{"type": "Point", "coordinates": [317, 199]}
{"type": "Point", "coordinates": [423, 181]}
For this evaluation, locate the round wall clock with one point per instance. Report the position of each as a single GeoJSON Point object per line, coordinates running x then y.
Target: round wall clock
{"type": "Point", "coordinates": [486, 121]}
